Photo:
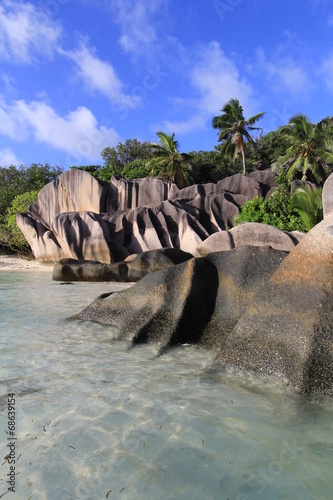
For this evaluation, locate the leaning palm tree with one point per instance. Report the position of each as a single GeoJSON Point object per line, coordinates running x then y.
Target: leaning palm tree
{"type": "Point", "coordinates": [166, 160]}
{"type": "Point", "coordinates": [235, 130]}
{"type": "Point", "coordinates": [308, 150]}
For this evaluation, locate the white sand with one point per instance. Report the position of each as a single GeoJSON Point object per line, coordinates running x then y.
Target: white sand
{"type": "Point", "coordinates": [12, 263]}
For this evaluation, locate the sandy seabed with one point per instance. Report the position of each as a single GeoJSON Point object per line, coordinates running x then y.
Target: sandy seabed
{"type": "Point", "coordinates": [13, 263]}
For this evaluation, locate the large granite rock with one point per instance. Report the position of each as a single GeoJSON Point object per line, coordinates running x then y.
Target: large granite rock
{"type": "Point", "coordinates": [75, 191]}
{"type": "Point", "coordinates": [85, 235]}
{"type": "Point", "coordinates": [133, 270]}
{"type": "Point", "coordinates": [260, 309]}
{"type": "Point", "coordinates": [165, 225]}
{"type": "Point", "coordinates": [250, 233]}
{"type": "Point", "coordinates": [218, 287]}
{"type": "Point", "coordinates": [288, 327]}
{"type": "Point", "coordinates": [45, 246]}
{"type": "Point", "coordinates": [172, 306]}
{"type": "Point", "coordinates": [87, 219]}
{"type": "Point", "coordinates": [125, 194]}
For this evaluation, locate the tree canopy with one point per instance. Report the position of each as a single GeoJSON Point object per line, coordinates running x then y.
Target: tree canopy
{"type": "Point", "coordinates": [308, 151]}
{"type": "Point", "coordinates": [234, 130]}
{"type": "Point", "coordinates": [167, 161]}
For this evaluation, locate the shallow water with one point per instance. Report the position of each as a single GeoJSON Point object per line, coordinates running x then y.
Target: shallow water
{"type": "Point", "coordinates": [98, 418]}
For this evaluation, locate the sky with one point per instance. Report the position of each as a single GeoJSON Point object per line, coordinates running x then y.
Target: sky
{"type": "Point", "coordinates": [77, 76]}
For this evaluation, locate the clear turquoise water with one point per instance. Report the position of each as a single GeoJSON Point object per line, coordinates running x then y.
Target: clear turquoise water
{"type": "Point", "coordinates": [96, 417]}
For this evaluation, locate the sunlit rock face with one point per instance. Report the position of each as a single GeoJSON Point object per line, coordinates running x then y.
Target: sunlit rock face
{"type": "Point", "coordinates": [250, 233]}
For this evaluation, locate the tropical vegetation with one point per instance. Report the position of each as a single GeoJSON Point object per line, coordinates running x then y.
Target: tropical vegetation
{"type": "Point", "coordinates": [167, 161]}
{"type": "Point", "coordinates": [308, 151]}
{"type": "Point", "coordinates": [235, 130]}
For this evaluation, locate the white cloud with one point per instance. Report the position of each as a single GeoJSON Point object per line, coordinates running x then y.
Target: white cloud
{"type": "Point", "coordinates": [26, 31]}
{"type": "Point", "coordinates": [78, 133]}
{"type": "Point", "coordinates": [283, 73]}
{"type": "Point", "coordinates": [100, 75]}
{"type": "Point", "coordinates": [214, 79]}
{"type": "Point", "coordinates": [136, 19]}
{"type": "Point", "coordinates": [7, 158]}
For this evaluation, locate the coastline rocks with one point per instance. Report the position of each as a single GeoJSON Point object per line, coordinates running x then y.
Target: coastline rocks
{"type": "Point", "coordinates": [85, 235]}
{"type": "Point", "coordinates": [198, 301]}
{"type": "Point", "coordinates": [46, 248]}
{"type": "Point", "coordinates": [88, 219]}
{"type": "Point", "coordinates": [288, 327]}
{"type": "Point", "coordinates": [168, 307]}
{"type": "Point", "coordinates": [133, 270]}
{"type": "Point", "coordinates": [165, 225]}
{"type": "Point", "coordinates": [261, 309]}
{"type": "Point", "coordinates": [249, 233]}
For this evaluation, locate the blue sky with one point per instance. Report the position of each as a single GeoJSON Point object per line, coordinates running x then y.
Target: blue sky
{"type": "Point", "coordinates": [77, 76]}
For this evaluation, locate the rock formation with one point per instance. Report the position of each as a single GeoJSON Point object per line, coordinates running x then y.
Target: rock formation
{"type": "Point", "coordinates": [250, 233]}
{"type": "Point", "coordinates": [79, 217]}
{"type": "Point", "coordinates": [132, 270]}
{"type": "Point", "coordinates": [261, 309]}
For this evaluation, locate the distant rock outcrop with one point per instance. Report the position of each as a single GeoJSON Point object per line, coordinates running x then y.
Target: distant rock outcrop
{"type": "Point", "coordinates": [79, 217]}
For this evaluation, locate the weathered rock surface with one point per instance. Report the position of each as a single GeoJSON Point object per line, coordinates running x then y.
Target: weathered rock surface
{"type": "Point", "coordinates": [45, 247]}
{"type": "Point", "coordinates": [125, 194]}
{"type": "Point", "coordinates": [228, 279]}
{"type": "Point", "coordinates": [249, 233]}
{"type": "Point", "coordinates": [260, 309]}
{"type": "Point", "coordinates": [133, 270]}
{"type": "Point", "coordinates": [85, 235]}
{"type": "Point", "coordinates": [165, 225]}
{"type": "Point", "coordinates": [88, 219]}
{"type": "Point", "coordinates": [328, 196]}
{"type": "Point", "coordinates": [288, 327]}
{"type": "Point", "coordinates": [75, 191]}
{"type": "Point", "coordinates": [169, 306]}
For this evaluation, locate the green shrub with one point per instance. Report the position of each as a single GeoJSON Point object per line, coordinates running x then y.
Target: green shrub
{"type": "Point", "coordinates": [10, 233]}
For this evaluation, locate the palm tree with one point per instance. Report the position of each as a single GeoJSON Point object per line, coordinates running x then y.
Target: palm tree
{"type": "Point", "coordinates": [166, 160]}
{"type": "Point", "coordinates": [308, 150]}
{"type": "Point", "coordinates": [235, 130]}
{"type": "Point", "coordinates": [307, 201]}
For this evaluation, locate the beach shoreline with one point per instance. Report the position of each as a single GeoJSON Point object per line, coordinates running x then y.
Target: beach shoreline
{"type": "Point", "coordinates": [13, 263]}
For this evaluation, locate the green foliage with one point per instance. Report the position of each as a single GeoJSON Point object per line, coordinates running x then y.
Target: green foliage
{"type": "Point", "coordinates": [308, 153]}
{"type": "Point", "coordinates": [18, 180]}
{"type": "Point", "coordinates": [121, 158]}
{"type": "Point", "coordinates": [234, 130]}
{"type": "Point", "coordinates": [307, 201]}
{"type": "Point", "coordinates": [277, 211]}
{"type": "Point", "coordinates": [210, 166]}
{"type": "Point", "coordinates": [10, 234]}
{"type": "Point", "coordinates": [167, 161]}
